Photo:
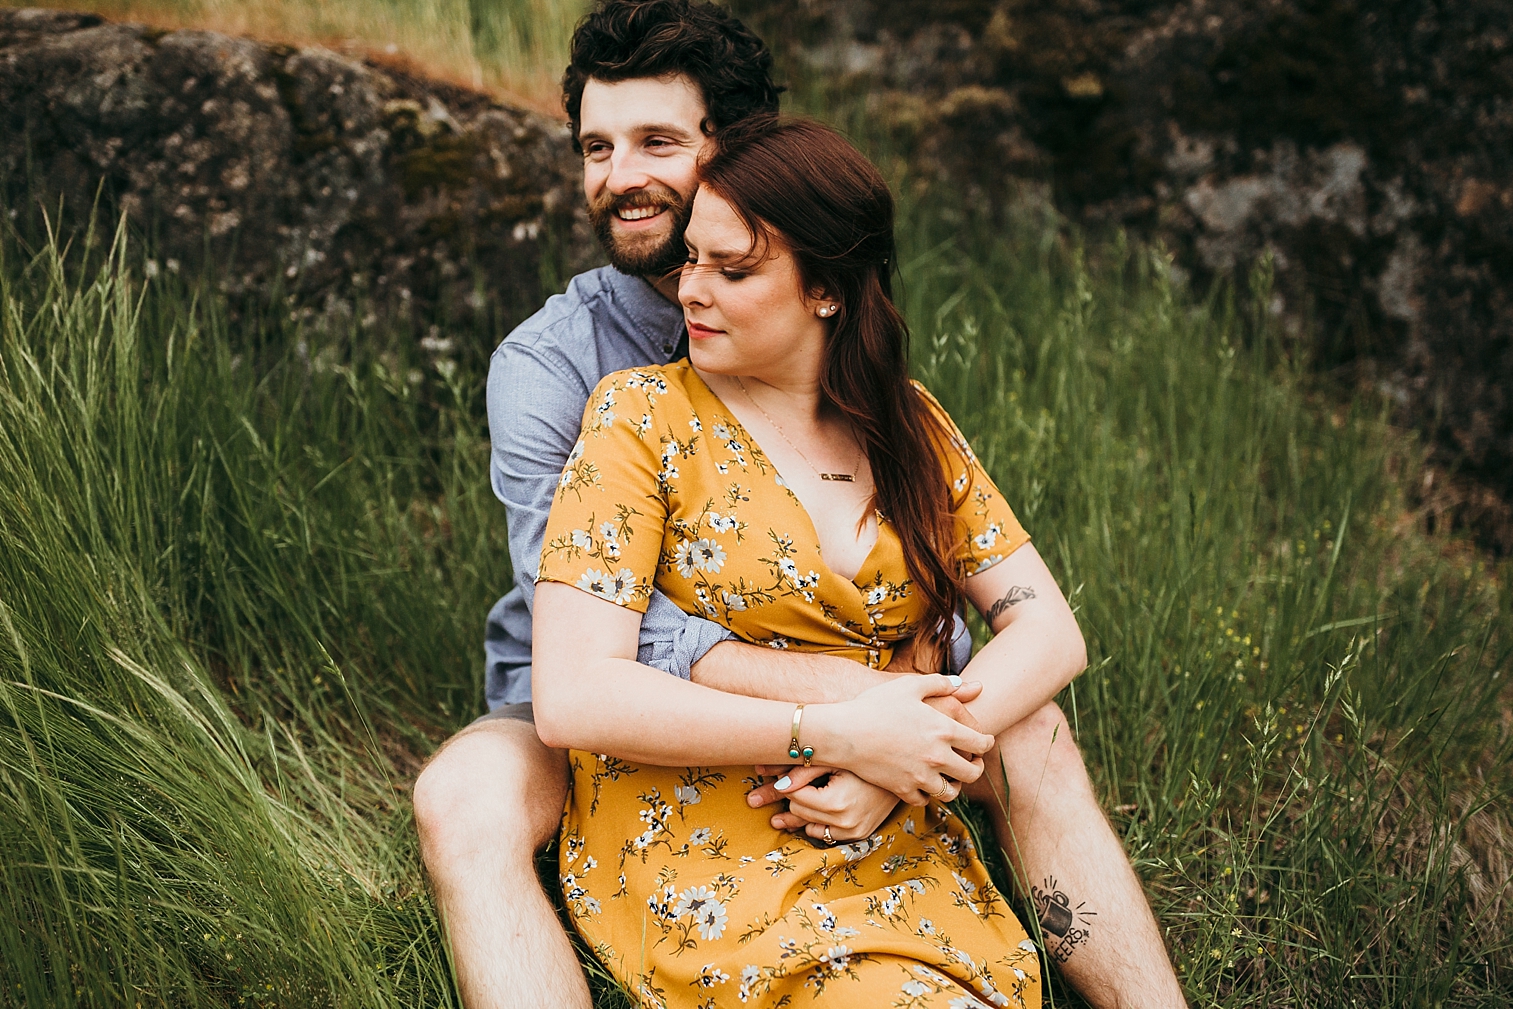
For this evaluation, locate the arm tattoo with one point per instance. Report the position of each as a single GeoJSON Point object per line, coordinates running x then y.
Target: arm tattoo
{"type": "Point", "coordinates": [1016, 594]}
{"type": "Point", "coordinates": [1063, 927]}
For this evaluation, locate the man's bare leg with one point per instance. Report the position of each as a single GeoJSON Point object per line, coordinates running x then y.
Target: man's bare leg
{"type": "Point", "coordinates": [1094, 919]}
{"type": "Point", "coordinates": [484, 805]}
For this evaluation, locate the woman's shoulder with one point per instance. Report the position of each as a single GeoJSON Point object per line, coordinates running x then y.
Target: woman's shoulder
{"type": "Point", "coordinates": [638, 396]}
{"type": "Point", "coordinates": [956, 440]}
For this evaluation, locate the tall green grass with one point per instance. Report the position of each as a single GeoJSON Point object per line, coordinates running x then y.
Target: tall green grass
{"type": "Point", "coordinates": [243, 575]}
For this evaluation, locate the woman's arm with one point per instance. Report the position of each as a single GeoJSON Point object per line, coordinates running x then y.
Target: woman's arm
{"type": "Point", "coordinates": [1037, 647]}
{"type": "Point", "coordinates": [591, 694]}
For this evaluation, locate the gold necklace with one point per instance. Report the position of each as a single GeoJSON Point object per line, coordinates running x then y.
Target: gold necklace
{"type": "Point", "coordinates": [840, 477]}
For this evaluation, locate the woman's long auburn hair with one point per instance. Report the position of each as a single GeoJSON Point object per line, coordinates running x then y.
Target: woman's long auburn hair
{"type": "Point", "coordinates": [804, 185]}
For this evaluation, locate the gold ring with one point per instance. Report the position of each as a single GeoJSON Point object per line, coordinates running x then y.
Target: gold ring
{"type": "Point", "coordinates": [945, 788]}
{"type": "Point", "coordinates": [828, 838]}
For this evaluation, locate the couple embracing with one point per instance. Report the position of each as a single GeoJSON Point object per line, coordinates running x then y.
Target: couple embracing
{"type": "Point", "coordinates": [742, 538]}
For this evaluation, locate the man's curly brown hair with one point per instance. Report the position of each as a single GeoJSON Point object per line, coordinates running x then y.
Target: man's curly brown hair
{"type": "Point", "coordinates": [624, 39]}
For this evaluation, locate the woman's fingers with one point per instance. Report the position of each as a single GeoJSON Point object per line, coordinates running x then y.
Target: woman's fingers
{"type": "Point", "coordinates": [794, 778]}
{"type": "Point", "coordinates": [968, 740]}
{"type": "Point", "coordinates": [934, 685]}
{"type": "Point", "coordinates": [956, 767]}
{"type": "Point", "coordinates": [968, 691]}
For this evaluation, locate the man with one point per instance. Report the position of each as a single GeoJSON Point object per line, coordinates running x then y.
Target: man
{"type": "Point", "coordinates": [650, 81]}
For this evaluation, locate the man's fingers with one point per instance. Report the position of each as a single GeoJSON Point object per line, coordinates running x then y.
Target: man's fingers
{"type": "Point", "coordinates": [788, 821]}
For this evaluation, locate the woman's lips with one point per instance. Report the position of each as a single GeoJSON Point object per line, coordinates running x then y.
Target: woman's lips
{"type": "Point", "coordinates": [698, 331]}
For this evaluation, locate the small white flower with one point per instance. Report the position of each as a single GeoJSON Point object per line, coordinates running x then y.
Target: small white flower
{"type": "Point", "coordinates": [608, 530]}
{"type": "Point", "coordinates": [1028, 946]}
{"type": "Point", "coordinates": [700, 836]}
{"type": "Point", "coordinates": [876, 595]}
{"type": "Point", "coordinates": [687, 795]}
{"type": "Point", "coordinates": [582, 540]}
{"type": "Point", "coordinates": [576, 453]}
{"type": "Point", "coordinates": [915, 988]}
{"type": "Point", "coordinates": [682, 559]}
{"type": "Point", "coordinates": [966, 1002]}
{"type": "Point", "coordinates": [988, 537]}
{"type": "Point", "coordinates": [927, 926]}
{"type": "Point", "coordinates": [707, 555]}
{"type": "Point", "coordinates": [696, 424]}
{"type": "Point", "coordinates": [721, 432]}
{"type": "Point", "coordinates": [789, 569]}
{"type": "Point", "coordinates": [734, 601]}
{"type": "Point", "coordinates": [839, 957]}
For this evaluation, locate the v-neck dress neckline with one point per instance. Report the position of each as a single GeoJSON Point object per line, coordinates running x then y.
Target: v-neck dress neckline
{"type": "Point", "coordinates": [666, 490]}
{"type": "Point", "coordinates": [698, 388]}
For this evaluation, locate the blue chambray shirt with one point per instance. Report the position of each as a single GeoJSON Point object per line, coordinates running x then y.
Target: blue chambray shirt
{"type": "Point", "coordinates": [539, 382]}
{"type": "Point", "coordinates": [540, 378]}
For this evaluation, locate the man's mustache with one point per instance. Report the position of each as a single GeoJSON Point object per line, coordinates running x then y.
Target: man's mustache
{"type": "Point", "coordinates": [610, 204]}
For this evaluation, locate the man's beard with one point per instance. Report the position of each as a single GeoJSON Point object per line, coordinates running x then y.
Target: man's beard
{"type": "Point", "coordinates": [642, 255]}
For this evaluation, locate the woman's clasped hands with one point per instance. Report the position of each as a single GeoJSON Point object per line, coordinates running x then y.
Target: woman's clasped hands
{"type": "Point", "coordinates": [907, 739]}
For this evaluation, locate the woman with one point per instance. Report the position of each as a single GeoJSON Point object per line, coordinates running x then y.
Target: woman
{"type": "Point", "coordinates": [789, 481]}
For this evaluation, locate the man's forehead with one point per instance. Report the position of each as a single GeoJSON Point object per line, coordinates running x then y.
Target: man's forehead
{"type": "Point", "coordinates": [673, 102]}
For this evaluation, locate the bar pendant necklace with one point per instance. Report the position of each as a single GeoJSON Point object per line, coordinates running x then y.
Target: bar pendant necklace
{"type": "Point", "coordinates": [836, 477]}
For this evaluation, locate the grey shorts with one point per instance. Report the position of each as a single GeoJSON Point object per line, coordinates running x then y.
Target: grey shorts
{"type": "Point", "coordinates": [509, 712]}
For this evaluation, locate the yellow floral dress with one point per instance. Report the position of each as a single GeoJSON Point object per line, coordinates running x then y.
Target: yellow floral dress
{"type": "Point", "coordinates": [687, 894]}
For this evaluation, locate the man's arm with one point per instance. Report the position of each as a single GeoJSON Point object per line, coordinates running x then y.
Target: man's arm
{"type": "Point", "coordinates": [805, 678]}
{"type": "Point", "coordinates": [736, 667]}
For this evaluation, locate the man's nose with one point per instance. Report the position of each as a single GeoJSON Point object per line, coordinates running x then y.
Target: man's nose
{"type": "Point", "coordinates": [627, 172]}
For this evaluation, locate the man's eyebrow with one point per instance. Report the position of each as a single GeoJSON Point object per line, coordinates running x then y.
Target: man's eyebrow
{"type": "Point", "coordinates": [668, 128]}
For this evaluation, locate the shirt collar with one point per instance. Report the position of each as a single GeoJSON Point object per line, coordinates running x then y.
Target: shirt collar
{"type": "Point", "coordinates": [658, 322]}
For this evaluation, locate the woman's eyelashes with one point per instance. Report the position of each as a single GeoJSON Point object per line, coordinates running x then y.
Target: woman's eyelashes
{"type": "Point", "coordinates": [692, 263]}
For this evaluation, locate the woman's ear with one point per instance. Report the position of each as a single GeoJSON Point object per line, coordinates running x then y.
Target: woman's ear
{"type": "Point", "coordinates": [821, 304]}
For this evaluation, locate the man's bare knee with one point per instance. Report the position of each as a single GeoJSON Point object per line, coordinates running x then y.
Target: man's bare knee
{"type": "Point", "coordinates": [1039, 751]}
{"type": "Point", "coordinates": [492, 786]}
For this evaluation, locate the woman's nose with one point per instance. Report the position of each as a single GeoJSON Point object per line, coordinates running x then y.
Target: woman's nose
{"type": "Point", "coordinates": [692, 291]}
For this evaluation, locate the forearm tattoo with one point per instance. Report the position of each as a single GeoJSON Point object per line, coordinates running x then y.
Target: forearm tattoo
{"type": "Point", "coordinates": [1016, 594]}
{"type": "Point", "coordinates": [1062, 927]}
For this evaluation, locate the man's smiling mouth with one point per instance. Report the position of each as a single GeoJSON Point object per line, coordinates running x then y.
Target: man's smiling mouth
{"type": "Point", "coordinates": [638, 213]}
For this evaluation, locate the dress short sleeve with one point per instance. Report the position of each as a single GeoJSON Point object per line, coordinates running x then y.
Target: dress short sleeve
{"type": "Point", "coordinates": [609, 514]}
{"type": "Point", "coordinates": [987, 530]}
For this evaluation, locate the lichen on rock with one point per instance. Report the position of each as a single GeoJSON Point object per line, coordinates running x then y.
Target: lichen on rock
{"type": "Point", "coordinates": [293, 173]}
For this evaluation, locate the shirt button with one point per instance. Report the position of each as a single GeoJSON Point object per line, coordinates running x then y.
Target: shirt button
{"type": "Point", "coordinates": [667, 348]}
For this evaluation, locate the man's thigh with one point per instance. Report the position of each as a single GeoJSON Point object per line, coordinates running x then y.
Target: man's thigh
{"type": "Point", "coordinates": [494, 778]}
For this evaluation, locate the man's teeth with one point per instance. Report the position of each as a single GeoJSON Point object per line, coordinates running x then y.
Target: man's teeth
{"type": "Point", "coordinates": [639, 213]}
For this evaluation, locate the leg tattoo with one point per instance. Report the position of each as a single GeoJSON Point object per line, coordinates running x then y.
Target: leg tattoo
{"type": "Point", "coordinates": [1064, 927]}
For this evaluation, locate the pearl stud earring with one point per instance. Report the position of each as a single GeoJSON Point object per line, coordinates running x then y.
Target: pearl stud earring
{"type": "Point", "coordinates": [826, 311]}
